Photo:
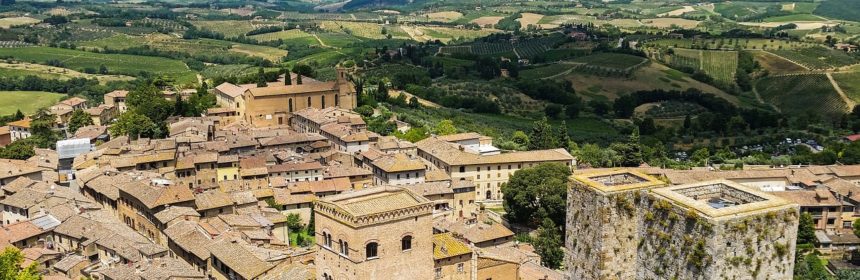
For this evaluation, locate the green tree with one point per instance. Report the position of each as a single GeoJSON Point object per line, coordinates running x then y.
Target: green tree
{"type": "Point", "coordinates": [311, 227]}
{"type": "Point", "coordinates": [542, 136]}
{"type": "Point", "coordinates": [148, 101]}
{"type": "Point", "coordinates": [630, 152]}
{"type": "Point", "coordinates": [533, 194]}
{"type": "Point", "coordinates": [79, 119]}
{"type": "Point", "coordinates": [134, 125]}
{"type": "Point", "coordinates": [548, 244]}
{"type": "Point", "coordinates": [701, 156]}
{"type": "Point", "coordinates": [520, 138]}
{"type": "Point", "coordinates": [287, 79]}
{"type": "Point", "coordinates": [19, 115]}
{"type": "Point", "coordinates": [10, 266]}
{"type": "Point", "coordinates": [21, 149]}
{"type": "Point", "coordinates": [42, 129]}
{"type": "Point", "coordinates": [805, 229]}
{"type": "Point", "coordinates": [563, 136]}
{"type": "Point", "coordinates": [200, 101]}
{"type": "Point", "coordinates": [261, 78]}
{"type": "Point", "coordinates": [445, 127]}
{"type": "Point", "coordinates": [294, 222]}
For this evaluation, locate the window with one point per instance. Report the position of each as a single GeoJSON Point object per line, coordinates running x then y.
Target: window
{"type": "Point", "coordinates": [290, 103]}
{"type": "Point", "coordinates": [460, 267]}
{"type": "Point", "coordinates": [322, 100]}
{"type": "Point", "coordinates": [336, 100]}
{"type": "Point", "coordinates": [370, 250]}
{"type": "Point", "coordinates": [344, 247]}
{"type": "Point", "coordinates": [831, 221]}
{"type": "Point", "coordinates": [438, 272]}
{"type": "Point", "coordinates": [309, 101]}
{"type": "Point", "coordinates": [462, 169]}
{"type": "Point", "coordinates": [406, 243]}
{"type": "Point", "coordinates": [846, 224]}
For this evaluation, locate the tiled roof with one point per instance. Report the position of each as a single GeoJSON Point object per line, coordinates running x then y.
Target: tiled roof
{"type": "Point", "coordinates": [292, 89]}
{"type": "Point", "coordinates": [322, 186]}
{"type": "Point", "coordinates": [173, 212]}
{"type": "Point", "coordinates": [476, 232]}
{"type": "Point", "coordinates": [446, 246]}
{"type": "Point", "coordinates": [188, 237]}
{"type": "Point", "coordinates": [230, 89]}
{"type": "Point", "coordinates": [117, 93]}
{"type": "Point", "coordinates": [212, 199]}
{"type": "Point", "coordinates": [237, 256]}
{"type": "Point", "coordinates": [809, 198]}
{"type": "Point", "coordinates": [398, 162]}
{"type": "Point", "coordinates": [375, 200]}
{"type": "Point", "coordinates": [154, 196]}
{"type": "Point", "coordinates": [74, 101]}
{"type": "Point", "coordinates": [18, 232]}
{"type": "Point", "coordinates": [452, 155]}
{"type": "Point", "coordinates": [295, 166]}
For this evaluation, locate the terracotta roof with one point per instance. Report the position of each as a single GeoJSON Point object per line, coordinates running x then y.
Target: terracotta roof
{"type": "Point", "coordinates": [460, 137]}
{"type": "Point", "coordinates": [74, 101]}
{"type": "Point", "coordinates": [476, 232]}
{"type": "Point", "coordinates": [292, 89]}
{"type": "Point", "coordinates": [238, 256]}
{"type": "Point", "coordinates": [187, 236]}
{"type": "Point", "coordinates": [391, 142]}
{"type": "Point", "coordinates": [154, 196]}
{"type": "Point", "coordinates": [452, 155]}
{"type": "Point", "coordinates": [230, 89]}
{"type": "Point", "coordinates": [173, 212]}
{"type": "Point", "coordinates": [25, 123]}
{"type": "Point", "coordinates": [212, 199]}
{"type": "Point", "coordinates": [19, 231]}
{"type": "Point", "coordinates": [809, 198]}
{"type": "Point", "coordinates": [446, 246]}
{"type": "Point", "coordinates": [398, 162]}
{"type": "Point", "coordinates": [339, 171]}
{"type": "Point", "coordinates": [284, 197]}
{"type": "Point", "coordinates": [69, 262]}
{"type": "Point", "coordinates": [322, 186]}
{"type": "Point", "coordinates": [117, 93]}
{"type": "Point", "coordinates": [91, 131]}
{"type": "Point", "coordinates": [300, 166]}
{"type": "Point", "coordinates": [375, 200]}
{"type": "Point", "coordinates": [294, 138]}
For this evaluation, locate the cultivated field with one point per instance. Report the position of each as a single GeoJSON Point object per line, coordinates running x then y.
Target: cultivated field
{"type": "Point", "coordinates": [269, 53]}
{"type": "Point", "coordinates": [720, 65]}
{"type": "Point", "coordinates": [611, 60]}
{"type": "Point", "coordinates": [26, 101]}
{"type": "Point", "coordinates": [282, 35]}
{"type": "Point", "coordinates": [487, 21]}
{"type": "Point", "coordinates": [116, 63]}
{"type": "Point", "coordinates": [818, 57]}
{"type": "Point", "coordinates": [671, 22]}
{"type": "Point", "coordinates": [850, 84]}
{"type": "Point", "coordinates": [546, 71]}
{"type": "Point", "coordinates": [802, 94]}
{"type": "Point", "coordinates": [775, 64]}
{"type": "Point", "coordinates": [15, 21]}
{"type": "Point", "coordinates": [446, 16]}
{"type": "Point", "coordinates": [22, 69]}
{"type": "Point", "coordinates": [730, 44]}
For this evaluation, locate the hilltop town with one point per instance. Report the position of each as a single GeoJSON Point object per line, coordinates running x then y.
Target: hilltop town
{"type": "Point", "coordinates": [276, 182]}
{"type": "Point", "coordinates": [430, 139]}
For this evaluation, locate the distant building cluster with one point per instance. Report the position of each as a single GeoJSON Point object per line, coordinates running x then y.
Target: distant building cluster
{"type": "Point", "coordinates": [212, 200]}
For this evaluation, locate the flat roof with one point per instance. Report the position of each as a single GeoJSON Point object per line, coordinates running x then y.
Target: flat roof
{"type": "Point", "coordinates": [722, 198]}
{"type": "Point", "coordinates": [617, 180]}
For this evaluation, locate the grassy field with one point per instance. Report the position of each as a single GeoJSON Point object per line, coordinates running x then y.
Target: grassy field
{"type": "Point", "coordinates": [51, 72]}
{"type": "Point", "coordinates": [124, 64]}
{"type": "Point", "coordinates": [730, 43]}
{"type": "Point", "coordinates": [850, 84]}
{"type": "Point", "coordinates": [230, 28]}
{"type": "Point", "coordinates": [801, 94]}
{"type": "Point", "coordinates": [338, 40]}
{"type": "Point", "coordinates": [26, 101]}
{"type": "Point", "coordinates": [15, 21]}
{"type": "Point", "coordinates": [270, 53]}
{"type": "Point", "coordinates": [363, 29]}
{"type": "Point", "coordinates": [545, 71]}
{"type": "Point", "coordinates": [795, 17]}
{"type": "Point", "coordinates": [611, 60]}
{"type": "Point", "coordinates": [283, 35]}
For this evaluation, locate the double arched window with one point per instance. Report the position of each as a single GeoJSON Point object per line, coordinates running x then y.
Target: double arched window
{"type": "Point", "coordinates": [326, 240]}
{"type": "Point", "coordinates": [371, 250]}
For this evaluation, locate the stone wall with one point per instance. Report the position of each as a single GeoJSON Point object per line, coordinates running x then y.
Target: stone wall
{"type": "Point", "coordinates": [678, 243]}
{"type": "Point", "coordinates": [602, 233]}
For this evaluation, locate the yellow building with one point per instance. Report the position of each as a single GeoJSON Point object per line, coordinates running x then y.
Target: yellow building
{"type": "Point", "coordinates": [452, 257]}
{"type": "Point", "coordinates": [274, 105]}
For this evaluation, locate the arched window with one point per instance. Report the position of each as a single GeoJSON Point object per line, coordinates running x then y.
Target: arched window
{"type": "Point", "coordinates": [309, 101]}
{"type": "Point", "coordinates": [336, 100]}
{"type": "Point", "coordinates": [488, 193]}
{"type": "Point", "coordinates": [406, 243]}
{"type": "Point", "coordinates": [290, 104]}
{"type": "Point", "coordinates": [326, 240]}
{"type": "Point", "coordinates": [344, 247]}
{"type": "Point", "coordinates": [322, 101]}
{"type": "Point", "coordinates": [370, 250]}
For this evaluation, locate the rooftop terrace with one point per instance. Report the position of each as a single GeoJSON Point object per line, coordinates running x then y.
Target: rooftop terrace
{"type": "Point", "coordinates": [722, 198]}
{"type": "Point", "coordinates": [617, 180]}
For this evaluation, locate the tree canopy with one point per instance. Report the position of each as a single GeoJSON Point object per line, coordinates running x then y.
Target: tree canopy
{"type": "Point", "coordinates": [534, 194]}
